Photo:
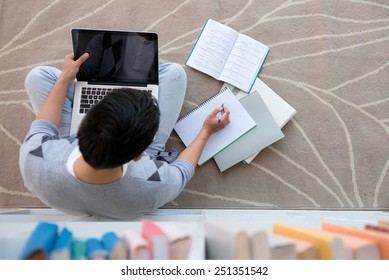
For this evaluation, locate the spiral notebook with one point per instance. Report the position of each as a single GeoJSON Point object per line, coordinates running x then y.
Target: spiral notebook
{"type": "Point", "coordinates": [190, 124]}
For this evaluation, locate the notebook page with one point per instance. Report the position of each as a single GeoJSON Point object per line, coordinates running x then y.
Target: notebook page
{"type": "Point", "coordinates": [190, 125]}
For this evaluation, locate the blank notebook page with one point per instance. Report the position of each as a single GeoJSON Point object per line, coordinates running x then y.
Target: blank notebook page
{"type": "Point", "coordinates": [190, 125]}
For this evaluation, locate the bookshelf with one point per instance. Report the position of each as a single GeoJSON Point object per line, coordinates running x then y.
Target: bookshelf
{"type": "Point", "coordinates": [17, 224]}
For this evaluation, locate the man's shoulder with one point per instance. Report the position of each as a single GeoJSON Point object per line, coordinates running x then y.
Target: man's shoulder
{"type": "Point", "coordinates": [47, 147]}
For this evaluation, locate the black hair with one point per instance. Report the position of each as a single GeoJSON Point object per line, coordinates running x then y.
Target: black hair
{"type": "Point", "coordinates": [118, 128]}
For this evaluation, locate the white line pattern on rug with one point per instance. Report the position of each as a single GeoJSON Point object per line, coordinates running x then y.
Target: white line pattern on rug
{"type": "Point", "coordinates": [44, 35]}
{"type": "Point", "coordinates": [27, 26]}
{"type": "Point", "coordinates": [17, 193]}
{"type": "Point", "coordinates": [284, 182]}
{"type": "Point", "coordinates": [9, 135]}
{"type": "Point", "coordinates": [228, 198]}
{"type": "Point", "coordinates": [379, 183]}
{"type": "Point", "coordinates": [310, 174]}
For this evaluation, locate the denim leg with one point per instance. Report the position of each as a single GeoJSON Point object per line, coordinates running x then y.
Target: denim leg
{"type": "Point", "coordinates": [39, 82]}
{"type": "Point", "coordinates": [172, 88]}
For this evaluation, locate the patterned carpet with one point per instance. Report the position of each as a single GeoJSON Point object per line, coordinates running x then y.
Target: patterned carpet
{"type": "Point", "coordinates": [328, 59]}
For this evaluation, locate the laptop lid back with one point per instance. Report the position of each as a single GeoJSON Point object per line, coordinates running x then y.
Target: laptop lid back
{"type": "Point", "coordinates": [117, 57]}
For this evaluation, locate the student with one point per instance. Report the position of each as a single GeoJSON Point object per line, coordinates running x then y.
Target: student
{"type": "Point", "coordinates": [115, 167]}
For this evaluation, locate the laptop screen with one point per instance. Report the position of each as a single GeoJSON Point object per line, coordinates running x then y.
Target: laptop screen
{"type": "Point", "coordinates": [117, 57]}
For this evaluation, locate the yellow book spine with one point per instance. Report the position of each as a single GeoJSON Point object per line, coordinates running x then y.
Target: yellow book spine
{"type": "Point", "coordinates": [323, 243]}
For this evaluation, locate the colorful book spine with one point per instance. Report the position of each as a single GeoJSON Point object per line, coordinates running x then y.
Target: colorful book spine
{"type": "Point", "coordinates": [62, 246]}
{"type": "Point", "coordinates": [115, 247]}
{"type": "Point", "coordinates": [95, 249]}
{"type": "Point", "coordinates": [78, 250]}
{"type": "Point", "coordinates": [159, 243]}
{"type": "Point", "coordinates": [41, 242]}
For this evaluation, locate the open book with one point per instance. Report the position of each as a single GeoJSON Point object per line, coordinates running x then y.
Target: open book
{"type": "Point", "coordinates": [228, 56]}
{"type": "Point", "coordinates": [189, 126]}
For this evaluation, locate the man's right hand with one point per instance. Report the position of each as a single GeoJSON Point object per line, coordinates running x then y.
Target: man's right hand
{"type": "Point", "coordinates": [71, 67]}
{"type": "Point", "coordinates": [212, 123]}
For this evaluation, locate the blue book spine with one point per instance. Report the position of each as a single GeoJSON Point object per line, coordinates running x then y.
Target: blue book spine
{"type": "Point", "coordinates": [62, 246]}
{"type": "Point", "coordinates": [95, 249]}
{"type": "Point", "coordinates": [41, 242]}
{"type": "Point", "coordinates": [109, 241]}
{"type": "Point", "coordinates": [64, 240]}
{"type": "Point", "coordinates": [260, 68]}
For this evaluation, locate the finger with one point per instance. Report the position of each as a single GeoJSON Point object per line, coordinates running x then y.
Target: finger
{"type": "Point", "coordinates": [83, 58]}
{"type": "Point", "coordinates": [226, 113]}
{"type": "Point", "coordinates": [70, 56]}
{"type": "Point", "coordinates": [216, 110]}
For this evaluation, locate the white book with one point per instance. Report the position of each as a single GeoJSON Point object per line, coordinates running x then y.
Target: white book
{"type": "Point", "coordinates": [281, 248]}
{"type": "Point", "coordinates": [225, 241]}
{"type": "Point", "coordinates": [226, 55]}
{"type": "Point", "coordinates": [282, 111]}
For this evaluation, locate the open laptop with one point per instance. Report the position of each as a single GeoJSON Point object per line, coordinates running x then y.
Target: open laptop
{"type": "Point", "coordinates": [117, 59]}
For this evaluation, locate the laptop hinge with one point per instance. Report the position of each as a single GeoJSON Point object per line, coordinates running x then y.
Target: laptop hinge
{"type": "Point", "coordinates": [115, 84]}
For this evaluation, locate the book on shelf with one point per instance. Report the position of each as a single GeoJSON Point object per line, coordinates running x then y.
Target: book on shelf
{"type": "Point", "coordinates": [157, 239]}
{"type": "Point", "coordinates": [281, 111]}
{"type": "Point", "coordinates": [281, 248]}
{"type": "Point", "coordinates": [265, 133]}
{"type": "Point", "coordinates": [359, 248]}
{"type": "Point", "coordinates": [382, 239]}
{"type": "Point", "coordinates": [305, 250]}
{"type": "Point", "coordinates": [114, 245]}
{"type": "Point", "coordinates": [95, 249]}
{"type": "Point", "coordinates": [330, 247]}
{"type": "Point", "coordinates": [383, 223]}
{"type": "Point", "coordinates": [40, 242]}
{"type": "Point", "coordinates": [226, 55]}
{"type": "Point", "coordinates": [224, 241]}
{"type": "Point", "coordinates": [78, 250]}
{"type": "Point", "coordinates": [259, 243]}
{"type": "Point", "coordinates": [138, 247]}
{"type": "Point", "coordinates": [62, 246]}
{"type": "Point", "coordinates": [377, 228]}
{"type": "Point", "coordinates": [180, 241]}
{"type": "Point", "coordinates": [191, 123]}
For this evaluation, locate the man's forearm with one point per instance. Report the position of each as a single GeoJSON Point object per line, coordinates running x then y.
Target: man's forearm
{"type": "Point", "coordinates": [52, 108]}
{"type": "Point", "coordinates": [193, 152]}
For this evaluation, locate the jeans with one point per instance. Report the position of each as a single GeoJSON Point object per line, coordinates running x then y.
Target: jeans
{"type": "Point", "coordinates": [172, 88]}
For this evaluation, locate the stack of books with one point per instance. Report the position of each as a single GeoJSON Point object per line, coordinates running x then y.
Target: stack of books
{"type": "Point", "coordinates": [153, 242]}
{"type": "Point", "coordinates": [256, 119]}
{"type": "Point", "coordinates": [290, 242]}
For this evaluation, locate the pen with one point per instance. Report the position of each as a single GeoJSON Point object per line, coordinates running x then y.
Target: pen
{"type": "Point", "coordinates": [220, 114]}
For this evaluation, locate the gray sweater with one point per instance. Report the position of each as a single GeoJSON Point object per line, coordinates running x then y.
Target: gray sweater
{"type": "Point", "coordinates": [147, 185]}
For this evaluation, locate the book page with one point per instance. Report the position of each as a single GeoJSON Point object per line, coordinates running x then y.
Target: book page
{"type": "Point", "coordinates": [244, 62]}
{"type": "Point", "coordinates": [212, 48]}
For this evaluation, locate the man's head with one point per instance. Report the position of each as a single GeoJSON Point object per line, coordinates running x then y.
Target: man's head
{"type": "Point", "coordinates": [118, 128]}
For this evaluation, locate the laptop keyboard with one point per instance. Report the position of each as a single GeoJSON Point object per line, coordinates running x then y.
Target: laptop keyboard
{"type": "Point", "coordinates": [92, 95]}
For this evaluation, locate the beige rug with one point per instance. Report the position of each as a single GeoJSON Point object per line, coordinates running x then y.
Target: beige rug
{"type": "Point", "coordinates": [328, 59]}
